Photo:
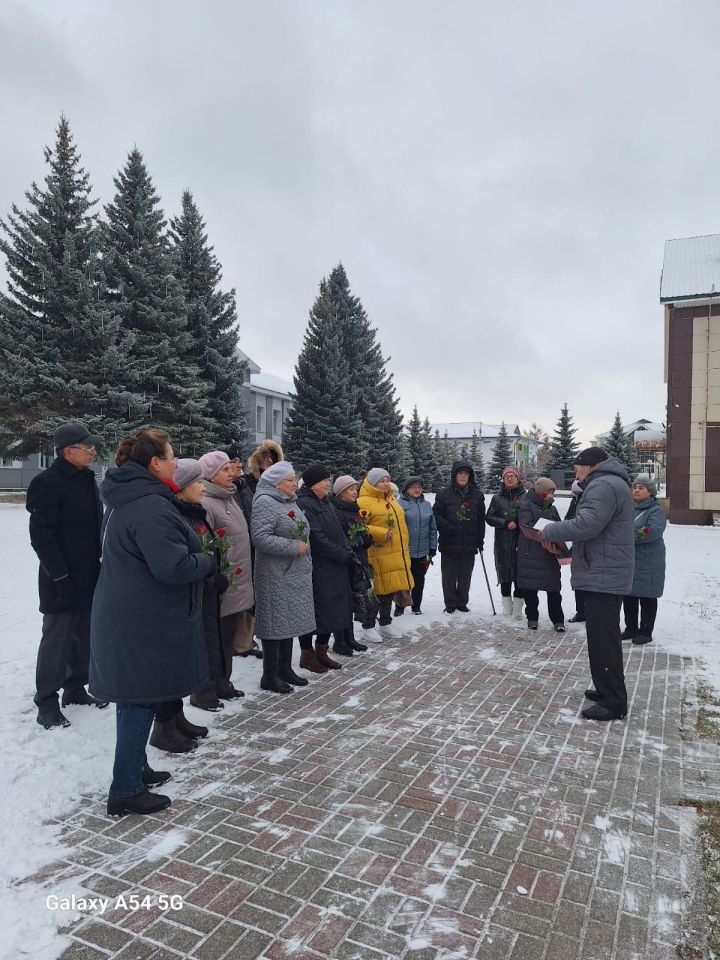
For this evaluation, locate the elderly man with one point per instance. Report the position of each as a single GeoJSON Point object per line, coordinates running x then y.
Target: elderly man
{"type": "Point", "coordinates": [603, 560]}
{"type": "Point", "coordinates": [65, 515]}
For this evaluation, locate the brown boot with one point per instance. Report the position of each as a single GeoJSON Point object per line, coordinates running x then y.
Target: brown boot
{"type": "Point", "coordinates": [321, 652]}
{"type": "Point", "coordinates": [166, 736]}
{"type": "Point", "coordinates": [308, 661]}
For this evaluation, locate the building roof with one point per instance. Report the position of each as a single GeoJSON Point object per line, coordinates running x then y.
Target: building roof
{"type": "Point", "coordinates": [691, 268]}
{"type": "Point", "coordinates": [637, 426]}
{"type": "Point", "coordinates": [464, 430]}
{"type": "Point", "coordinates": [269, 383]}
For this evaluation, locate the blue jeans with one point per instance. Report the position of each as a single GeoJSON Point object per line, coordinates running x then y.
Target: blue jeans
{"type": "Point", "coordinates": [134, 721]}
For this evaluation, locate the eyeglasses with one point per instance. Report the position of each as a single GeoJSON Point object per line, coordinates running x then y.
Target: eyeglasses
{"type": "Point", "coordinates": [174, 459]}
{"type": "Point", "coordinates": [79, 446]}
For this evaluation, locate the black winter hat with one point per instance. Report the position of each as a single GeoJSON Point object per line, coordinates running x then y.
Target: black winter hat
{"type": "Point", "coordinates": [410, 481]}
{"type": "Point", "coordinates": [314, 474]}
{"type": "Point", "coordinates": [73, 432]}
{"type": "Point", "coordinates": [590, 457]}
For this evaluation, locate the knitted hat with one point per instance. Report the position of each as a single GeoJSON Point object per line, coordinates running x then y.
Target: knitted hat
{"type": "Point", "coordinates": [376, 474]}
{"type": "Point", "coordinates": [590, 457]}
{"type": "Point", "coordinates": [212, 462]}
{"type": "Point", "coordinates": [544, 485]}
{"type": "Point", "coordinates": [187, 472]}
{"type": "Point", "coordinates": [643, 480]}
{"type": "Point", "coordinates": [234, 453]}
{"type": "Point", "coordinates": [509, 470]}
{"type": "Point", "coordinates": [343, 482]}
{"type": "Point", "coordinates": [278, 472]}
{"type": "Point", "coordinates": [314, 474]}
{"type": "Point", "coordinates": [410, 481]}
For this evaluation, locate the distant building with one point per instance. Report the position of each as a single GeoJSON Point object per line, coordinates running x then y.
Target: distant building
{"type": "Point", "coordinates": [267, 401]}
{"type": "Point", "coordinates": [650, 441]}
{"type": "Point", "coordinates": [690, 294]}
{"type": "Point", "coordinates": [461, 434]}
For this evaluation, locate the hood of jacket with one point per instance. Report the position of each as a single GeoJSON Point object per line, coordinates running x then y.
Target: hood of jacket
{"type": "Point", "coordinates": [267, 489]}
{"type": "Point", "coordinates": [267, 446]}
{"type": "Point", "coordinates": [646, 504]}
{"type": "Point", "coordinates": [406, 498]}
{"type": "Point", "coordinates": [462, 465]}
{"type": "Point", "coordinates": [131, 482]}
{"type": "Point", "coordinates": [368, 490]}
{"type": "Point", "coordinates": [610, 467]}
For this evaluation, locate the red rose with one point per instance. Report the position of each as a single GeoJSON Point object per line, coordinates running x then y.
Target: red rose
{"type": "Point", "coordinates": [363, 513]}
{"type": "Point", "coordinates": [220, 531]}
{"type": "Point", "coordinates": [201, 528]}
{"type": "Point", "coordinates": [466, 503]}
{"type": "Point", "coordinates": [238, 571]}
{"type": "Point", "coordinates": [291, 514]}
{"type": "Point", "coordinates": [646, 530]}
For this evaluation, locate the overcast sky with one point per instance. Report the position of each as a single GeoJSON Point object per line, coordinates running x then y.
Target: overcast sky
{"type": "Point", "coordinates": [497, 179]}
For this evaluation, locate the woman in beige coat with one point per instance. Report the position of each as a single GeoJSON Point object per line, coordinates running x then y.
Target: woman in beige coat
{"type": "Point", "coordinates": [236, 610]}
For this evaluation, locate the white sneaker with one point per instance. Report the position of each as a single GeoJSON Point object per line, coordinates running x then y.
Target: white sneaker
{"type": "Point", "coordinates": [390, 632]}
{"type": "Point", "coordinates": [370, 635]}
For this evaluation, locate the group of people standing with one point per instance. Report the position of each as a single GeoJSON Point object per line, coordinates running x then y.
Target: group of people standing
{"type": "Point", "coordinates": [199, 559]}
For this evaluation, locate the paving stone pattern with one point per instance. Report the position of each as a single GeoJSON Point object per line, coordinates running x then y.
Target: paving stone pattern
{"type": "Point", "coordinates": [436, 799]}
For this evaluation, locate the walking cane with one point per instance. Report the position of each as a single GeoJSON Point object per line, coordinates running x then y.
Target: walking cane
{"type": "Point", "coordinates": [492, 603]}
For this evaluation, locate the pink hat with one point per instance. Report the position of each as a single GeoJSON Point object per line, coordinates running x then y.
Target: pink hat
{"type": "Point", "coordinates": [508, 470]}
{"type": "Point", "coordinates": [343, 482]}
{"type": "Point", "coordinates": [212, 462]}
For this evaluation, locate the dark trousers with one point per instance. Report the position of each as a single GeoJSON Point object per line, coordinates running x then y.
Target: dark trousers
{"type": "Point", "coordinates": [306, 640]}
{"type": "Point", "coordinates": [602, 623]}
{"type": "Point", "coordinates": [648, 611]}
{"type": "Point", "coordinates": [134, 721]}
{"type": "Point", "coordinates": [64, 655]}
{"type": "Point", "coordinates": [580, 603]}
{"type": "Point", "coordinates": [554, 604]}
{"type": "Point", "coordinates": [506, 589]}
{"type": "Point", "coordinates": [456, 571]}
{"type": "Point", "coordinates": [385, 603]}
{"type": "Point", "coordinates": [418, 570]}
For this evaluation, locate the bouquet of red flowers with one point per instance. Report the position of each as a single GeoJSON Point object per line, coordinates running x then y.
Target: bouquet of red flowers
{"type": "Point", "coordinates": [358, 529]}
{"type": "Point", "coordinates": [218, 547]}
{"type": "Point", "coordinates": [300, 531]}
{"type": "Point", "coordinates": [642, 533]}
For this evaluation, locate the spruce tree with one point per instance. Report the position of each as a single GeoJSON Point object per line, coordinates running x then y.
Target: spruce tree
{"type": "Point", "coordinates": [441, 475]}
{"type": "Point", "coordinates": [619, 445]}
{"type": "Point", "coordinates": [149, 300]}
{"type": "Point", "coordinates": [324, 425]}
{"type": "Point", "coordinates": [430, 470]}
{"type": "Point", "coordinates": [631, 459]}
{"type": "Point", "coordinates": [563, 446]}
{"type": "Point", "coordinates": [212, 324]}
{"type": "Point", "coordinates": [62, 354]}
{"type": "Point", "coordinates": [501, 458]}
{"type": "Point", "coordinates": [413, 443]}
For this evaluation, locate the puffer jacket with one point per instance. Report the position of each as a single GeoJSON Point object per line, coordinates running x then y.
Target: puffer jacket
{"type": "Point", "coordinates": [284, 604]}
{"type": "Point", "coordinates": [224, 513]}
{"type": "Point", "coordinates": [460, 535]}
{"type": "Point", "coordinates": [537, 568]}
{"type": "Point", "coordinates": [503, 508]}
{"type": "Point", "coordinates": [602, 532]}
{"type": "Point", "coordinates": [390, 559]}
{"type": "Point", "coordinates": [649, 578]}
{"type": "Point", "coordinates": [253, 463]}
{"type": "Point", "coordinates": [422, 528]}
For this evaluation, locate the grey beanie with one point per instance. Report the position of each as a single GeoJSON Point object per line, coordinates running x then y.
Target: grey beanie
{"type": "Point", "coordinates": [278, 472]}
{"type": "Point", "coordinates": [375, 475]}
{"type": "Point", "coordinates": [187, 472]}
{"type": "Point", "coordinates": [644, 481]}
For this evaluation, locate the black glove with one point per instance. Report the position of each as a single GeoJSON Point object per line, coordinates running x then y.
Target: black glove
{"type": "Point", "coordinates": [65, 591]}
{"type": "Point", "coordinates": [221, 582]}
{"type": "Point", "coordinates": [431, 553]}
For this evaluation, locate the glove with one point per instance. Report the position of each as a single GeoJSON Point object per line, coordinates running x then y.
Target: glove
{"type": "Point", "coordinates": [65, 591]}
{"type": "Point", "coordinates": [431, 553]}
{"type": "Point", "coordinates": [221, 582]}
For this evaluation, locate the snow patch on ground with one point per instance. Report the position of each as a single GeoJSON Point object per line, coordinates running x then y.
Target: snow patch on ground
{"type": "Point", "coordinates": [171, 841]}
{"type": "Point", "coordinates": [616, 846]}
{"type": "Point", "coordinates": [277, 756]}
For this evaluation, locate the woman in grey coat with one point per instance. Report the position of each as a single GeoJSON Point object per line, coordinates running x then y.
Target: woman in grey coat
{"type": "Point", "coordinates": [284, 605]}
{"type": "Point", "coordinates": [649, 579]}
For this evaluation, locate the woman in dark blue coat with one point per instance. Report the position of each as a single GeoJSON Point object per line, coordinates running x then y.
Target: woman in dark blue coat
{"type": "Point", "coordinates": [146, 634]}
{"type": "Point", "coordinates": [537, 568]}
{"type": "Point", "coordinates": [502, 514]}
{"type": "Point", "coordinates": [649, 578]}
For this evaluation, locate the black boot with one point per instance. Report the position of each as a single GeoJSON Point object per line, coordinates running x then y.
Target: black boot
{"type": "Point", "coordinates": [166, 736]}
{"type": "Point", "coordinates": [82, 698]}
{"type": "Point", "coordinates": [50, 715]}
{"type": "Point", "coordinates": [191, 730]}
{"type": "Point", "coordinates": [578, 618]}
{"type": "Point", "coordinates": [271, 679]}
{"type": "Point", "coordinates": [399, 611]}
{"type": "Point", "coordinates": [142, 803]}
{"type": "Point", "coordinates": [285, 669]}
{"type": "Point", "coordinates": [628, 633]}
{"type": "Point", "coordinates": [341, 646]}
{"type": "Point", "coordinates": [352, 642]}
{"type": "Point", "coordinates": [153, 778]}
{"type": "Point", "coordinates": [205, 697]}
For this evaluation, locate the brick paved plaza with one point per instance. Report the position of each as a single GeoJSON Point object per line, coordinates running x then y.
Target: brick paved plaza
{"type": "Point", "coordinates": [438, 798]}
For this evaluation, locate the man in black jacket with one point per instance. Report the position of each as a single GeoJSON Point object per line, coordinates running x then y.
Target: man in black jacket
{"type": "Point", "coordinates": [65, 517]}
{"type": "Point", "coordinates": [460, 514]}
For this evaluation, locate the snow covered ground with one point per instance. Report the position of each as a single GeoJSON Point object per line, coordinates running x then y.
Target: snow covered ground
{"type": "Point", "coordinates": [44, 772]}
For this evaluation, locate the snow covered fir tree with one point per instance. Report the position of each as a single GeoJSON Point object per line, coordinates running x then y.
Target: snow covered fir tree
{"type": "Point", "coordinates": [619, 445]}
{"type": "Point", "coordinates": [563, 446]}
{"type": "Point", "coordinates": [502, 456]}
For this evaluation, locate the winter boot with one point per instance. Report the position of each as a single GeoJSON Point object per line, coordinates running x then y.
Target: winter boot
{"type": "Point", "coordinates": [226, 690]}
{"type": "Point", "coordinates": [352, 642]}
{"type": "Point", "coordinates": [321, 652]}
{"type": "Point", "coordinates": [154, 778]}
{"type": "Point", "coordinates": [507, 606]}
{"type": "Point", "coordinates": [532, 624]}
{"type": "Point", "coordinates": [50, 715]}
{"type": "Point", "coordinates": [628, 633]}
{"type": "Point", "coordinates": [142, 803]}
{"type": "Point", "coordinates": [371, 634]}
{"type": "Point", "coordinates": [341, 646]}
{"type": "Point", "coordinates": [271, 679]}
{"type": "Point", "coordinates": [578, 618]}
{"type": "Point", "coordinates": [517, 608]}
{"type": "Point", "coordinates": [308, 661]}
{"type": "Point", "coordinates": [399, 611]}
{"type": "Point", "coordinates": [285, 665]}
{"type": "Point", "coordinates": [191, 730]}
{"type": "Point", "coordinates": [641, 638]}
{"type": "Point", "coordinates": [166, 736]}
{"type": "Point", "coordinates": [82, 698]}
{"type": "Point", "coordinates": [559, 627]}
{"type": "Point", "coordinates": [205, 697]}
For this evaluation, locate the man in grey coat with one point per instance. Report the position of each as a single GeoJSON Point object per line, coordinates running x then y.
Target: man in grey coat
{"type": "Point", "coordinates": [603, 561]}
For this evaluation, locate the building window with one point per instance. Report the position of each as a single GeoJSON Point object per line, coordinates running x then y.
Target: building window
{"type": "Point", "coordinates": [260, 418]}
{"type": "Point", "coordinates": [9, 462]}
{"type": "Point", "coordinates": [277, 423]}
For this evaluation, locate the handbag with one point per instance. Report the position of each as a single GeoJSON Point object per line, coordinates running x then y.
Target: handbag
{"type": "Point", "coordinates": [403, 598]}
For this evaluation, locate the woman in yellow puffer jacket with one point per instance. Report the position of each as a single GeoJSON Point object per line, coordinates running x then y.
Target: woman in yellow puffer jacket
{"type": "Point", "coordinates": [389, 555]}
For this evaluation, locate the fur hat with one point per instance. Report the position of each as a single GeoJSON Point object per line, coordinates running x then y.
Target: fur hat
{"type": "Point", "coordinates": [643, 480]}
{"type": "Point", "coordinates": [343, 482]}
{"type": "Point", "coordinates": [314, 474]}
{"type": "Point", "coordinates": [212, 462]}
{"type": "Point", "coordinates": [278, 472]}
{"type": "Point", "coordinates": [591, 457]}
{"type": "Point", "coordinates": [187, 472]}
{"type": "Point", "coordinates": [376, 474]}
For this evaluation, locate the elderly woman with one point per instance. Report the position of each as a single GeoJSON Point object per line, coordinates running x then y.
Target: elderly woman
{"type": "Point", "coordinates": [146, 632]}
{"type": "Point", "coordinates": [649, 578]}
{"type": "Point", "coordinates": [538, 568]}
{"type": "Point", "coordinates": [344, 501]}
{"type": "Point", "coordinates": [284, 606]}
{"type": "Point", "coordinates": [228, 520]}
{"type": "Point", "coordinates": [502, 514]}
{"type": "Point", "coordinates": [333, 558]}
{"type": "Point", "coordinates": [389, 554]}
{"type": "Point", "coordinates": [422, 530]}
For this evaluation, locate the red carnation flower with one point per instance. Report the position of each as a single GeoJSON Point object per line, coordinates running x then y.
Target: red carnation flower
{"type": "Point", "coordinates": [291, 514]}
{"type": "Point", "coordinates": [220, 531]}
